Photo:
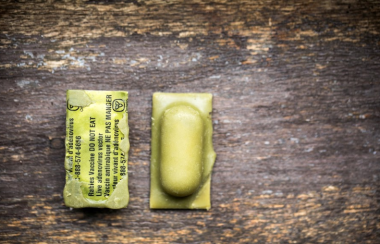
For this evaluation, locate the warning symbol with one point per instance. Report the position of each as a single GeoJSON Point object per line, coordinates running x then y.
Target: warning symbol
{"type": "Point", "coordinates": [118, 105]}
{"type": "Point", "coordinates": [71, 107]}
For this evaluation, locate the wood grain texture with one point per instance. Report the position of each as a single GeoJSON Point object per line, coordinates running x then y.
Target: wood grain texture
{"type": "Point", "coordinates": [296, 116]}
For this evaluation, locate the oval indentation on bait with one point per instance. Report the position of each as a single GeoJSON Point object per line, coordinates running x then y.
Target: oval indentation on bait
{"type": "Point", "coordinates": [181, 150]}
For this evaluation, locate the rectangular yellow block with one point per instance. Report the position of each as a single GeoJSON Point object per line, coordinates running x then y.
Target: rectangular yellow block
{"type": "Point", "coordinates": [182, 152]}
{"type": "Point", "coordinates": [97, 146]}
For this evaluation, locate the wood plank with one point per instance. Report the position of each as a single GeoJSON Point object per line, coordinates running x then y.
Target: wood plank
{"type": "Point", "coordinates": [296, 116]}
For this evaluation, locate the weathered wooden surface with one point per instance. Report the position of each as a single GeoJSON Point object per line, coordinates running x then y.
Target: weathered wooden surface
{"type": "Point", "coordinates": [296, 116]}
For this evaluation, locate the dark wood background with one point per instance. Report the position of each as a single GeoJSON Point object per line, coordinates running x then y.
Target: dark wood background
{"type": "Point", "coordinates": [296, 88]}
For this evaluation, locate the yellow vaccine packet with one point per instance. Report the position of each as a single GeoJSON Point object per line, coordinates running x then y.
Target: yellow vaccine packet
{"type": "Point", "coordinates": [182, 151]}
{"type": "Point", "coordinates": [97, 146]}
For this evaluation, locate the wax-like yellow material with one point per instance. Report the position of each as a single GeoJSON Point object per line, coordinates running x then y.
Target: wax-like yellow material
{"type": "Point", "coordinates": [182, 151]}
